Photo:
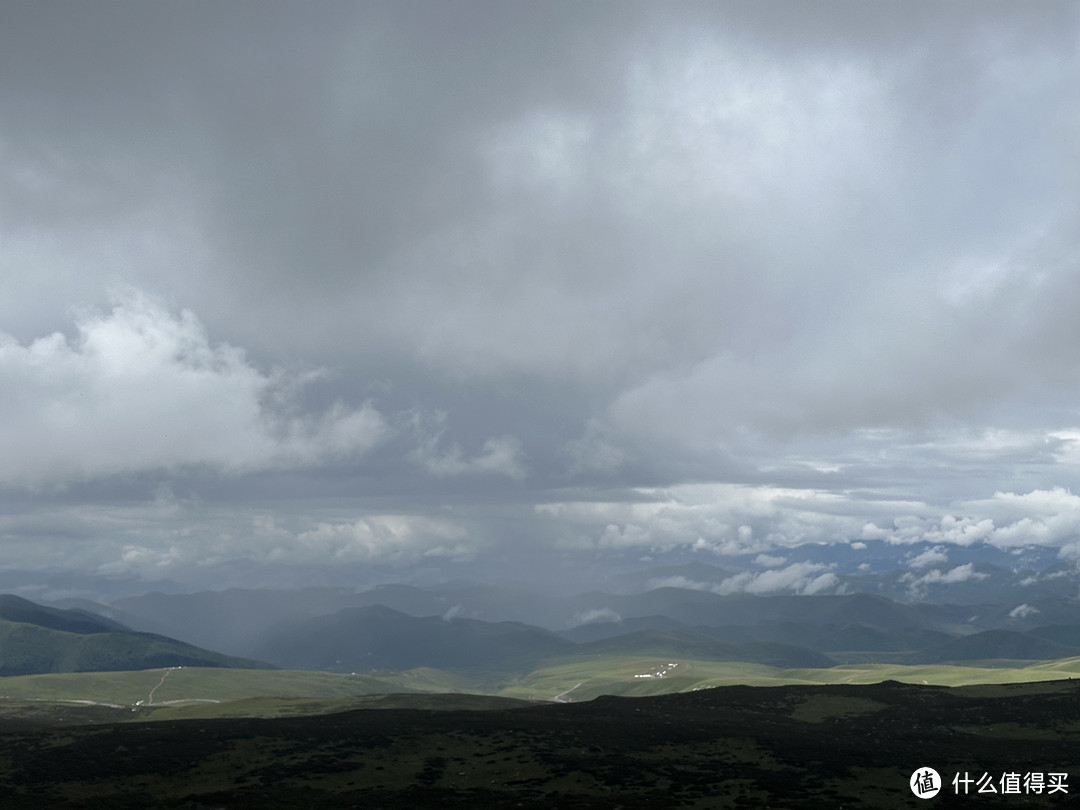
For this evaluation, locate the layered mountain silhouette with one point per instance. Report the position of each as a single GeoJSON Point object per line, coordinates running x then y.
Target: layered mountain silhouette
{"type": "Point", "coordinates": [378, 637]}
{"type": "Point", "coordinates": [996, 644]}
{"type": "Point", "coordinates": [467, 626]}
{"type": "Point", "coordinates": [36, 639]}
{"type": "Point", "coordinates": [23, 611]}
{"type": "Point", "coordinates": [688, 644]}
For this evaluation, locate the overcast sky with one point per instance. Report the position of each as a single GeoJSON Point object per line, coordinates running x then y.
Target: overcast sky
{"type": "Point", "coordinates": [390, 282]}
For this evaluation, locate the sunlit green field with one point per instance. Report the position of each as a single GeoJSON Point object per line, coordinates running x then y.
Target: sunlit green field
{"type": "Point", "coordinates": [588, 679]}
{"type": "Point", "coordinates": [201, 692]}
{"type": "Point", "coordinates": [209, 684]}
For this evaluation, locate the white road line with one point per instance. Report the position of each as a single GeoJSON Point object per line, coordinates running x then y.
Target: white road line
{"type": "Point", "coordinates": [150, 698]}
{"type": "Point", "coordinates": [562, 696]}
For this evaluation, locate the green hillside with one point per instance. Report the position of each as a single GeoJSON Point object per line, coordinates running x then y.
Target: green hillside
{"type": "Point", "coordinates": [27, 648]}
{"type": "Point", "coordinates": [39, 639]}
{"type": "Point", "coordinates": [574, 681]}
{"type": "Point", "coordinates": [16, 609]}
{"type": "Point", "coordinates": [129, 688]}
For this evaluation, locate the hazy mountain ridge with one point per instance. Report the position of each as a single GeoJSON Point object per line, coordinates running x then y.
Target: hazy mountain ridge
{"type": "Point", "coordinates": [829, 638]}
{"type": "Point", "coordinates": [896, 602]}
{"type": "Point", "coordinates": [597, 630]}
{"type": "Point", "coordinates": [16, 609]}
{"type": "Point", "coordinates": [242, 622]}
{"type": "Point", "coordinates": [996, 644]}
{"type": "Point", "coordinates": [688, 644]}
{"type": "Point", "coordinates": [380, 638]}
{"type": "Point", "coordinates": [40, 639]}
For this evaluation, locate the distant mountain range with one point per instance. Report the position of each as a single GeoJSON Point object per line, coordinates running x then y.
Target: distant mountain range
{"type": "Point", "coordinates": [804, 607]}
{"type": "Point", "coordinates": [783, 631]}
{"type": "Point", "coordinates": [379, 638]}
{"type": "Point", "coordinates": [245, 622]}
{"type": "Point", "coordinates": [309, 629]}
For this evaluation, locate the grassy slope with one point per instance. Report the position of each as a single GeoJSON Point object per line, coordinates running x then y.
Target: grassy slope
{"type": "Point", "coordinates": [30, 648]}
{"type": "Point", "coordinates": [589, 679]}
{"type": "Point", "coordinates": [197, 683]}
{"type": "Point", "coordinates": [286, 691]}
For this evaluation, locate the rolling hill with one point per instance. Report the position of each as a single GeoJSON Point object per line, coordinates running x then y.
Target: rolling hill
{"type": "Point", "coordinates": [23, 611]}
{"type": "Point", "coordinates": [37, 639]}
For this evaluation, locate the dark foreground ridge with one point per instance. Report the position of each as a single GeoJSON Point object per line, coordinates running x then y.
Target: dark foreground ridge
{"type": "Point", "coordinates": [738, 747]}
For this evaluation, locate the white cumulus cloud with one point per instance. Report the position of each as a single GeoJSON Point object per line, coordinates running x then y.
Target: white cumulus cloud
{"type": "Point", "coordinates": [802, 578]}
{"type": "Point", "coordinates": [378, 538]}
{"type": "Point", "coordinates": [932, 556]}
{"type": "Point", "coordinates": [142, 388]}
{"type": "Point", "coordinates": [500, 455]}
{"type": "Point", "coordinates": [1023, 611]}
{"type": "Point", "coordinates": [937, 576]}
{"type": "Point", "coordinates": [595, 616]}
{"type": "Point", "coordinates": [678, 582]}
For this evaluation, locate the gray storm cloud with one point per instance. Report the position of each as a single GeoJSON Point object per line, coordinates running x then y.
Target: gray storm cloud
{"type": "Point", "coordinates": [818, 262]}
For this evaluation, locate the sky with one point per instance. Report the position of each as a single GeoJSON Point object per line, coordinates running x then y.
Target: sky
{"type": "Point", "coordinates": [318, 287]}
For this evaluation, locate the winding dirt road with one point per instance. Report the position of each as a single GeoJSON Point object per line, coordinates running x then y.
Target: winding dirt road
{"type": "Point", "coordinates": [150, 697]}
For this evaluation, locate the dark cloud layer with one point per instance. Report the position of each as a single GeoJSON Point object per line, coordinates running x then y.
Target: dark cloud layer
{"type": "Point", "coordinates": [369, 282]}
